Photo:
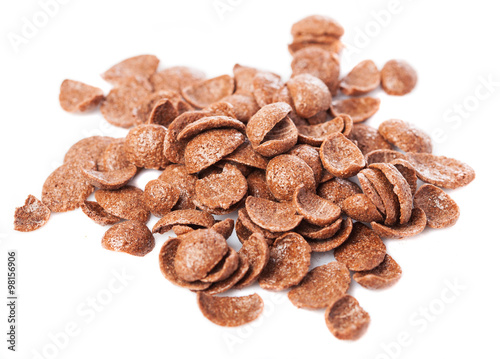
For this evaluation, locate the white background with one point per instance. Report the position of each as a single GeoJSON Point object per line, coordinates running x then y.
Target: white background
{"type": "Point", "coordinates": [452, 44]}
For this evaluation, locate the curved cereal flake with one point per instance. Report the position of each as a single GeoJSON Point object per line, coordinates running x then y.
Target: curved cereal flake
{"type": "Point", "coordinates": [75, 96]}
{"type": "Point", "coordinates": [285, 173]}
{"type": "Point", "coordinates": [173, 149]}
{"type": "Point", "coordinates": [440, 170]}
{"type": "Point", "coordinates": [110, 179]}
{"type": "Point", "coordinates": [227, 265]}
{"type": "Point", "coordinates": [256, 250]}
{"type": "Point", "coordinates": [209, 123]}
{"type": "Point", "coordinates": [137, 66]}
{"type": "Point", "coordinates": [371, 192]}
{"type": "Point", "coordinates": [385, 190]}
{"type": "Point", "coordinates": [177, 176]}
{"type": "Point", "coordinates": [221, 190]}
{"type": "Point", "coordinates": [398, 77]}
{"type": "Point", "coordinates": [66, 188]}
{"type": "Point", "coordinates": [400, 187]}
{"type": "Point", "coordinates": [340, 156]}
{"type": "Point", "coordinates": [405, 136]}
{"type": "Point", "coordinates": [203, 93]}
{"type": "Point", "coordinates": [218, 211]}
{"type": "Point", "coordinates": [90, 149]}
{"type": "Point", "coordinates": [175, 78]}
{"type": "Point", "coordinates": [211, 146]}
{"type": "Point", "coordinates": [358, 108]}
{"type": "Point", "coordinates": [198, 253]}
{"type": "Point", "coordinates": [363, 250]}
{"type": "Point", "coordinates": [257, 185]}
{"type": "Point", "coordinates": [408, 172]}
{"type": "Point", "coordinates": [230, 311]}
{"type": "Point", "coordinates": [283, 95]}
{"type": "Point", "coordinates": [311, 231]}
{"type": "Point", "coordinates": [383, 156]}
{"type": "Point", "coordinates": [162, 113]}
{"type": "Point", "coordinates": [114, 157]}
{"type": "Point", "coordinates": [221, 108]}
{"type": "Point", "coordinates": [33, 215]}
{"type": "Point", "coordinates": [246, 155]}
{"type": "Point", "coordinates": [190, 217]}
{"type": "Point", "coordinates": [315, 135]}
{"type": "Point", "coordinates": [337, 190]}
{"type": "Point", "coordinates": [368, 139]}
{"type": "Point", "coordinates": [96, 213]}
{"type": "Point", "coordinates": [160, 197]}
{"type": "Point", "coordinates": [310, 155]}
{"type": "Point", "coordinates": [321, 286]}
{"type": "Point", "coordinates": [441, 210]}
{"type": "Point", "coordinates": [363, 78]}
{"type": "Point", "coordinates": [118, 106]}
{"type": "Point", "coordinates": [126, 202]}
{"type": "Point", "coordinates": [254, 228]}
{"type": "Point", "coordinates": [144, 146]}
{"type": "Point", "coordinates": [265, 85]}
{"type": "Point", "coordinates": [130, 237]}
{"type": "Point", "coordinates": [228, 283]}
{"type": "Point", "coordinates": [180, 229]}
{"type": "Point", "coordinates": [273, 216]}
{"type": "Point", "coordinates": [289, 260]}
{"type": "Point", "coordinates": [224, 227]}
{"type": "Point", "coordinates": [167, 257]}
{"type": "Point", "coordinates": [415, 225]}
{"type": "Point", "coordinates": [327, 43]}
{"type": "Point", "coordinates": [319, 63]}
{"type": "Point", "coordinates": [310, 95]}
{"type": "Point", "coordinates": [382, 276]}
{"type": "Point", "coordinates": [264, 120]}
{"type": "Point", "coordinates": [243, 78]}
{"type": "Point", "coordinates": [242, 232]}
{"type": "Point", "coordinates": [346, 320]}
{"type": "Point", "coordinates": [317, 25]}
{"type": "Point", "coordinates": [244, 105]}
{"type": "Point", "coordinates": [314, 208]}
{"type": "Point", "coordinates": [280, 139]}
{"type": "Point", "coordinates": [361, 208]}
{"type": "Point", "coordinates": [338, 238]}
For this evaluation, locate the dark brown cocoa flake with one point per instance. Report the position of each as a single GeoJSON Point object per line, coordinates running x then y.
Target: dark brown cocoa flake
{"type": "Point", "coordinates": [337, 190]}
{"type": "Point", "coordinates": [345, 318]}
{"type": "Point", "coordinates": [340, 156]}
{"type": "Point", "coordinates": [126, 202]}
{"type": "Point", "coordinates": [144, 146]}
{"type": "Point", "coordinates": [256, 250]}
{"type": "Point", "coordinates": [130, 237]}
{"type": "Point", "coordinates": [440, 209]}
{"type": "Point", "coordinates": [405, 136]}
{"type": "Point", "coordinates": [382, 276]}
{"type": "Point", "coordinates": [361, 208]}
{"type": "Point", "coordinates": [415, 225]}
{"type": "Point", "coordinates": [273, 216]}
{"type": "Point", "coordinates": [189, 217]}
{"type": "Point", "coordinates": [314, 208]}
{"type": "Point", "coordinates": [160, 197]}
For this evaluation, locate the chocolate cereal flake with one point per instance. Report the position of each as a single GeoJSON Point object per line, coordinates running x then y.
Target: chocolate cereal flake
{"type": "Point", "coordinates": [137, 66]}
{"type": "Point", "coordinates": [33, 215]}
{"type": "Point", "coordinates": [160, 197]}
{"type": "Point", "coordinates": [398, 77]}
{"type": "Point", "coordinates": [368, 139]}
{"type": "Point", "coordinates": [337, 190]}
{"type": "Point", "coordinates": [273, 216]}
{"type": "Point", "coordinates": [144, 146]}
{"type": "Point", "coordinates": [358, 108]}
{"type": "Point", "coordinates": [256, 250]}
{"type": "Point", "coordinates": [363, 78]}
{"type": "Point", "coordinates": [336, 240]}
{"type": "Point", "coordinates": [126, 202]}
{"type": "Point", "coordinates": [96, 213]}
{"type": "Point", "coordinates": [110, 179]}
{"type": "Point", "coordinates": [405, 136]}
{"type": "Point", "coordinates": [314, 208]}
{"type": "Point", "coordinates": [382, 276]}
{"type": "Point", "coordinates": [361, 208]}
{"type": "Point", "coordinates": [310, 95]}
{"type": "Point", "coordinates": [203, 93]}
{"type": "Point", "coordinates": [75, 96]}
{"type": "Point", "coordinates": [415, 225]}
{"type": "Point", "coordinates": [441, 210]}
{"type": "Point", "coordinates": [345, 318]}
{"type": "Point", "coordinates": [130, 237]}
{"type": "Point", "coordinates": [340, 156]}
{"type": "Point", "coordinates": [189, 217]}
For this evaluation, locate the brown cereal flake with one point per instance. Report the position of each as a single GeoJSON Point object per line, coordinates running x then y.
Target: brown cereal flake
{"type": "Point", "coordinates": [246, 155]}
{"type": "Point", "coordinates": [371, 192]}
{"type": "Point", "coordinates": [230, 311]}
{"type": "Point", "coordinates": [137, 66]}
{"type": "Point", "coordinates": [203, 93]}
{"type": "Point", "coordinates": [398, 77]}
{"type": "Point", "coordinates": [227, 265]}
{"type": "Point", "coordinates": [361, 208]}
{"type": "Point", "coordinates": [66, 188]}
{"type": "Point", "coordinates": [317, 25]}
{"type": "Point", "coordinates": [382, 276]}
{"type": "Point", "coordinates": [265, 85]}
{"type": "Point", "coordinates": [130, 237]}
{"type": "Point", "coordinates": [167, 257]}
{"type": "Point", "coordinates": [315, 135]}
{"type": "Point", "coordinates": [337, 190]}
{"type": "Point", "coordinates": [243, 78]}
{"type": "Point", "coordinates": [189, 217]}
{"type": "Point", "coordinates": [363, 78]}
{"type": "Point", "coordinates": [280, 139]}
{"type": "Point", "coordinates": [340, 156]}
{"type": "Point", "coordinates": [244, 105]}
{"type": "Point", "coordinates": [314, 208]}
{"type": "Point", "coordinates": [264, 120]}
{"type": "Point", "coordinates": [321, 286]}
{"type": "Point", "coordinates": [114, 157]}
{"type": "Point", "coordinates": [126, 202]}
{"type": "Point", "coordinates": [368, 139]}
{"type": "Point", "coordinates": [90, 149]}
{"type": "Point", "coordinates": [363, 250]}
{"type": "Point", "coordinates": [273, 216]}
{"type": "Point", "coordinates": [224, 227]}
{"type": "Point", "coordinates": [256, 250]}
{"type": "Point", "coordinates": [228, 283]}
{"type": "Point", "coordinates": [211, 146]}
{"type": "Point", "coordinates": [346, 320]}
{"type": "Point", "coordinates": [310, 95]}
{"type": "Point", "coordinates": [405, 136]}
{"type": "Point", "coordinates": [310, 155]}
{"type": "Point", "coordinates": [31, 216]}
{"type": "Point", "coordinates": [221, 108]}
{"type": "Point", "coordinates": [110, 179]}
{"type": "Point", "coordinates": [336, 240]}
{"type": "Point", "coordinates": [440, 170]}
{"type": "Point", "coordinates": [209, 123]}
{"type": "Point", "coordinates": [175, 78]}
{"type": "Point", "coordinates": [383, 156]}
{"type": "Point", "coordinates": [198, 253]}
{"type": "Point", "coordinates": [257, 185]}
{"type": "Point", "coordinates": [440, 209]}
{"type": "Point", "coordinates": [75, 96]}
{"type": "Point", "coordinates": [162, 113]}
{"type": "Point", "coordinates": [408, 172]}
{"type": "Point", "coordinates": [144, 146]}
{"type": "Point", "coordinates": [358, 108]}
{"type": "Point", "coordinates": [289, 260]}
{"type": "Point", "coordinates": [177, 176]}
{"type": "Point", "coordinates": [415, 225]}
{"type": "Point", "coordinates": [96, 213]}
{"type": "Point", "coordinates": [311, 231]}
{"type": "Point", "coordinates": [285, 173]}
{"type": "Point", "coordinates": [160, 197]}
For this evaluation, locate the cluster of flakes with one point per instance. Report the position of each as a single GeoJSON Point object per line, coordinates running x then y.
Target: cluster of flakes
{"type": "Point", "coordinates": [280, 154]}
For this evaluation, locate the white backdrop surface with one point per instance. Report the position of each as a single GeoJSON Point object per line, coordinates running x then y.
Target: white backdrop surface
{"type": "Point", "coordinates": [77, 300]}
